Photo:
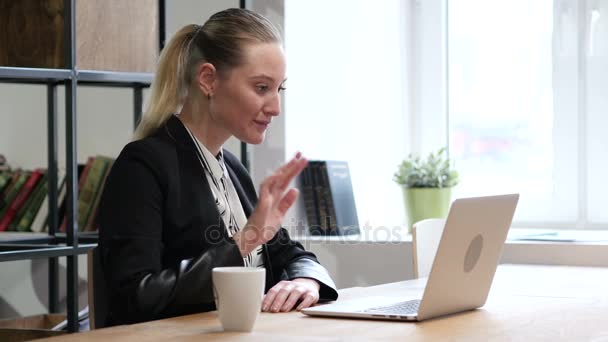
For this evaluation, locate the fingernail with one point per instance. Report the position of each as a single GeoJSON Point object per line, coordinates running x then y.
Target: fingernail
{"type": "Point", "coordinates": [298, 155]}
{"type": "Point", "coordinates": [264, 308]}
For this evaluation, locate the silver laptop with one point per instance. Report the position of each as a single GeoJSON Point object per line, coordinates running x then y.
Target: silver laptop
{"type": "Point", "coordinates": [467, 256]}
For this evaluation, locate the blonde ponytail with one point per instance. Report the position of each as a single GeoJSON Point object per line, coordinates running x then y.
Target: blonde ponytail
{"type": "Point", "coordinates": [169, 88]}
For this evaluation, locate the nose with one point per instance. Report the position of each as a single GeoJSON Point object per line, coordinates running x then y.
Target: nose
{"type": "Point", "coordinates": [273, 105]}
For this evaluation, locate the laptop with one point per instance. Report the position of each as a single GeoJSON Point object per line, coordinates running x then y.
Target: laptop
{"type": "Point", "coordinates": [467, 256]}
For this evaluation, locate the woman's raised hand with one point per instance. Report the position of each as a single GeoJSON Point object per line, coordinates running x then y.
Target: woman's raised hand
{"type": "Point", "coordinates": [274, 201]}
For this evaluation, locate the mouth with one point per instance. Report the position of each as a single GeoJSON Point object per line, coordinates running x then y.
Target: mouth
{"type": "Point", "coordinates": [261, 123]}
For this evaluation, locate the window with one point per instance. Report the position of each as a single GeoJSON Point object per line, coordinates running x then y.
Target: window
{"type": "Point", "coordinates": [346, 95]}
{"type": "Point", "coordinates": [527, 108]}
{"type": "Point", "coordinates": [514, 88]}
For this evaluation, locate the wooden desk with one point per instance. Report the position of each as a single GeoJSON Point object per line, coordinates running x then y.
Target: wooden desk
{"type": "Point", "coordinates": [526, 303]}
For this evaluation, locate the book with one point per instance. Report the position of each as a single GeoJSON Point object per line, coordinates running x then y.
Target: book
{"type": "Point", "coordinates": [327, 189]}
{"type": "Point", "coordinates": [308, 196]}
{"type": "Point", "coordinates": [31, 197]}
{"type": "Point", "coordinates": [29, 181]}
{"type": "Point", "coordinates": [5, 178]}
{"type": "Point", "coordinates": [91, 224]}
{"type": "Point", "coordinates": [7, 192]}
{"type": "Point", "coordinates": [83, 172]}
{"type": "Point", "coordinates": [41, 221]}
{"type": "Point", "coordinates": [37, 197]}
{"type": "Point", "coordinates": [317, 184]}
{"type": "Point", "coordinates": [11, 193]}
{"type": "Point", "coordinates": [89, 191]}
{"type": "Point", "coordinates": [329, 221]}
{"type": "Point", "coordinates": [340, 197]}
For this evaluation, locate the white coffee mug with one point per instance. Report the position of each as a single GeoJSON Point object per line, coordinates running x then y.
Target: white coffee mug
{"type": "Point", "coordinates": [238, 296]}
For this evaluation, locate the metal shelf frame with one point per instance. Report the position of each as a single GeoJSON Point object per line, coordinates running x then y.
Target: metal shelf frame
{"type": "Point", "coordinates": [23, 251]}
{"type": "Point", "coordinates": [33, 75]}
{"type": "Point", "coordinates": [70, 244]}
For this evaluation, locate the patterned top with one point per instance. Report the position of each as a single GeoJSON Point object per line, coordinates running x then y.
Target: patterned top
{"type": "Point", "coordinates": [226, 198]}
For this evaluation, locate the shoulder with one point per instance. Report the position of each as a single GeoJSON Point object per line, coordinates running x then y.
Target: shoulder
{"type": "Point", "coordinates": [151, 150]}
{"type": "Point", "coordinates": [152, 155]}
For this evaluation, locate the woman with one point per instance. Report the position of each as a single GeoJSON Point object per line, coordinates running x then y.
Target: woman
{"type": "Point", "coordinates": [176, 205]}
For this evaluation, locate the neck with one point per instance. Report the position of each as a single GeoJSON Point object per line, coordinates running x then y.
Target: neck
{"type": "Point", "coordinates": [195, 116]}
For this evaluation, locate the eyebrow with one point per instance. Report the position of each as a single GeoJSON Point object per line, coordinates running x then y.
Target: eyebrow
{"type": "Point", "coordinates": [266, 77]}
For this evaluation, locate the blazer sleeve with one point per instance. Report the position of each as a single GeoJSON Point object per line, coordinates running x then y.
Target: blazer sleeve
{"type": "Point", "coordinates": [131, 229]}
{"type": "Point", "coordinates": [290, 260]}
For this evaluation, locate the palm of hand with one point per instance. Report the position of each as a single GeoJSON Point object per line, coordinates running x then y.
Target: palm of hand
{"type": "Point", "coordinates": [274, 201]}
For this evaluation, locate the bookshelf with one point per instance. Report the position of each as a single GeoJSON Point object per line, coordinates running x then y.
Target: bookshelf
{"type": "Point", "coordinates": [52, 245]}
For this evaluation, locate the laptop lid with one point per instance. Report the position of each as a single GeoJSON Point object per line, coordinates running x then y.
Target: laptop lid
{"type": "Point", "coordinates": [468, 254]}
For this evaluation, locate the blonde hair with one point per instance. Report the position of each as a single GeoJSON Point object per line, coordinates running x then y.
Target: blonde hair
{"type": "Point", "coordinates": [219, 41]}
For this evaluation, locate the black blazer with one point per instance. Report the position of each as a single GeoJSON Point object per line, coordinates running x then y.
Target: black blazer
{"type": "Point", "coordinates": [160, 232]}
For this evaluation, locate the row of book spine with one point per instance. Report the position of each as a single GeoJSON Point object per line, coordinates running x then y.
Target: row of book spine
{"type": "Point", "coordinates": [24, 196]}
{"type": "Point", "coordinates": [318, 202]}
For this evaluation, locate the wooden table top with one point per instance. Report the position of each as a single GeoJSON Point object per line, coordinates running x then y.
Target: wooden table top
{"type": "Point", "coordinates": [528, 303]}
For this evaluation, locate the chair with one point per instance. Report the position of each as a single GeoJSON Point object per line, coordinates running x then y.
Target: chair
{"type": "Point", "coordinates": [426, 235]}
{"type": "Point", "coordinates": [98, 299]}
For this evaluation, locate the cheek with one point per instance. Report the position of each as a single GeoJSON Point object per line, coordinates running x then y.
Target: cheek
{"type": "Point", "coordinates": [236, 108]}
{"type": "Point", "coordinates": [246, 106]}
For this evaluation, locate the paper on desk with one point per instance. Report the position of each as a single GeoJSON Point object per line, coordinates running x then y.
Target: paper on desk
{"type": "Point", "coordinates": [560, 236]}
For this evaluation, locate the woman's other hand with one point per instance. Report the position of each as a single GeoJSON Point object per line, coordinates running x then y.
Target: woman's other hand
{"type": "Point", "coordinates": [273, 203]}
{"type": "Point", "coordinates": [284, 296]}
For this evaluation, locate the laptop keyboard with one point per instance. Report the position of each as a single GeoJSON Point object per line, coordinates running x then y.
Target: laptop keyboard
{"type": "Point", "coordinates": [402, 308]}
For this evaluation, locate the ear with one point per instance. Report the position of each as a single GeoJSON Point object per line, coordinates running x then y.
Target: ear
{"type": "Point", "coordinates": [207, 78]}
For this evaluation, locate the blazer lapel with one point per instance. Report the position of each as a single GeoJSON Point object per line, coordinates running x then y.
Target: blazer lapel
{"type": "Point", "coordinates": [245, 201]}
{"type": "Point", "coordinates": [188, 158]}
{"type": "Point", "coordinates": [248, 209]}
{"type": "Point", "coordinates": [176, 130]}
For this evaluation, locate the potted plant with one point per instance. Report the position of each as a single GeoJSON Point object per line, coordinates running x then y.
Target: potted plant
{"type": "Point", "coordinates": [427, 185]}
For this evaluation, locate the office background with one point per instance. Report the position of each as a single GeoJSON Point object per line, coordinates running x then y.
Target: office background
{"type": "Point", "coordinates": [367, 83]}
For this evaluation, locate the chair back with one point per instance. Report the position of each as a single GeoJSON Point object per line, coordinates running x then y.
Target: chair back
{"type": "Point", "coordinates": [426, 235]}
{"type": "Point", "coordinates": [98, 300]}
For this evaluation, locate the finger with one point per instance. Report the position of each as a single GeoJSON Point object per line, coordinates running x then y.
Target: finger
{"type": "Point", "coordinates": [289, 173]}
{"type": "Point", "coordinates": [290, 164]}
{"type": "Point", "coordinates": [270, 296]}
{"type": "Point", "coordinates": [280, 298]}
{"type": "Point", "coordinates": [288, 200]}
{"type": "Point", "coordinates": [279, 180]}
{"type": "Point", "coordinates": [309, 299]}
{"type": "Point", "coordinates": [265, 194]}
{"type": "Point", "coordinates": [295, 295]}
{"type": "Point", "coordinates": [293, 172]}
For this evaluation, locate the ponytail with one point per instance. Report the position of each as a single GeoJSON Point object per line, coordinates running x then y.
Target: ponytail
{"type": "Point", "coordinates": [169, 88]}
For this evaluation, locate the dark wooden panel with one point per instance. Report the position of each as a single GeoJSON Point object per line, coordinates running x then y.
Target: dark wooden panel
{"type": "Point", "coordinates": [31, 33]}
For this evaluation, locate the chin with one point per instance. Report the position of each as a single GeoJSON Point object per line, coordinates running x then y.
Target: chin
{"type": "Point", "coordinates": [255, 139]}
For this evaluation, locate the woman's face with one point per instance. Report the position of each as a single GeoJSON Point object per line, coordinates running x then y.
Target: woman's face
{"type": "Point", "coordinates": [246, 98]}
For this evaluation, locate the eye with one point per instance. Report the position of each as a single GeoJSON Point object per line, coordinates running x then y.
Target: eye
{"type": "Point", "coordinates": [282, 88]}
{"type": "Point", "coordinates": [261, 88]}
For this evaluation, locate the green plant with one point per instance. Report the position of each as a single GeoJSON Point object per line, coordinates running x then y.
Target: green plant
{"type": "Point", "coordinates": [436, 171]}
